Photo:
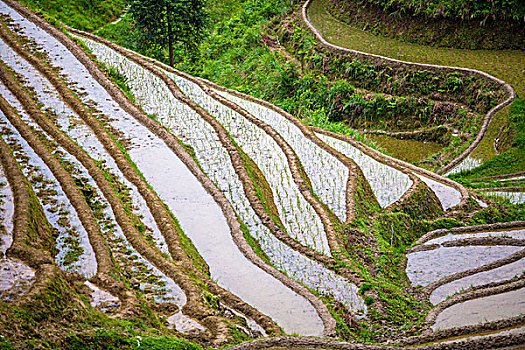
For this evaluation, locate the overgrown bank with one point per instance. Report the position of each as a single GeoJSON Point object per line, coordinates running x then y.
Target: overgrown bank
{"type": "Point", "coordinates": [459, 24]}
{"type": "Point", "coordinates": [82, 14]}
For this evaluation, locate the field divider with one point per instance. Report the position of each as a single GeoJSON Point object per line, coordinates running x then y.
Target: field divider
{"type": "Point", "coordinates": [501, 189]}
{"type": "Point", "coordinates": [458, 275]}
{"type": "Point", "coordinates": [472, 241]}
{"type": "Point", "coordinates": [174, 144]}
{"type": "Point", "coordinates": [512, 341]}
{"type": "Point", "coordinates": [469, 229]}
{"type": "Point", "coordinates": [474, 293]}
{"type": "Point", "coordinates": [511, 94]}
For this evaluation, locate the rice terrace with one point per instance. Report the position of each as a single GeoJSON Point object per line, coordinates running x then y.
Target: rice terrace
{"type": "Point", "coordinates": [262, 174]}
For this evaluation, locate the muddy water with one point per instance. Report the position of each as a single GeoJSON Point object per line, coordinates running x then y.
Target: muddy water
{"type": "Point", "coordinates": [100, 297]}
{"type": "Point", "coordinates": [7, 209]}
{"type": "Point", "coordinates": [188, 200]}
{"type": "Point", "coordinates": [426, 267]}
{"type": "Point", "coordinates": [501, 273]}
{"type": "Point", "coordinates": [410, 151]}
{"type": "Point", "coordinates": [388, 184]}
{"type": "Point", "coordinates": [518, 234]}
{"type": "Point", "coordinates": [15, 278]}
{"type": "Point", "coordinates": [185, 324]}
{"type": "Point", "coordinates": [487, 309]}
{"type": "Point", "coordinates": [448, 196]}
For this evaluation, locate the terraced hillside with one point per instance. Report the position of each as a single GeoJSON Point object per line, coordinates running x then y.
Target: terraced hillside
{"type": "Point", "coordinates": [143, 207]}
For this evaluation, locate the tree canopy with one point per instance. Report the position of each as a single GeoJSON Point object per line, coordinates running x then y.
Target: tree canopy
{"type": "Point", "coordinates": [165, 23]}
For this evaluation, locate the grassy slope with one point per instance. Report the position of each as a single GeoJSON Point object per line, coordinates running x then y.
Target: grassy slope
{"type": "Point", "coordinates": [81, 14]}
{"type": "Point", "coordinates": [504, 64]}
{"type": "Point", "coordinates": [411, 26]}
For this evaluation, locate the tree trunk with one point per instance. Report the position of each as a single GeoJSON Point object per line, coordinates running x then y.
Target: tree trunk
{"type": "Point", "coordinates": [170, 34]}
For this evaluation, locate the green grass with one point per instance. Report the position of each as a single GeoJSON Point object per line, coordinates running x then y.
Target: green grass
{"type": "Point", "coordinates": [458, 9]}
{"type": "Point", "coordinates": [81, 14]}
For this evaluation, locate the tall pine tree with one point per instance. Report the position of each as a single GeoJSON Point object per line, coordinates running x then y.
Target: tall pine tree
{"type": "Point", "coordinates": [165, 23]}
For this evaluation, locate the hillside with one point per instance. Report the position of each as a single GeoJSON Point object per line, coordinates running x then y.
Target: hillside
{"type": "Point", "coordinates": [146, 207]}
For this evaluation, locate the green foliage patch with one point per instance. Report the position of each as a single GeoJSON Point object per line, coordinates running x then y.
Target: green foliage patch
{"type": "Point", "coordinates": [81, 14]}
{"type": "Point", "coordinates": [460, 9]}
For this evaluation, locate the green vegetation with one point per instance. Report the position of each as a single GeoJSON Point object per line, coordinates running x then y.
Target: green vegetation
{"type": "Point", "coordinates": [81, 14]}
{"type": "Point", "coordinates": [478, 9]}
{"type": "Point", "coordinates": [440, 27]}
{"type": "Point", "coordinates": [501, 64]}
{"type": "Point", "coordinates": [162, 24]}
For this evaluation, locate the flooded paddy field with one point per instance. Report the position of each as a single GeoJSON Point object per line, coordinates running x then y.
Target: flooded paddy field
{"type": "Point", "coordinates": [135, 195]}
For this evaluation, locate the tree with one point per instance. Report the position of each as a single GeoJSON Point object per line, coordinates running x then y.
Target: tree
{"type": "Point", "coordinates": [165, 23]}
